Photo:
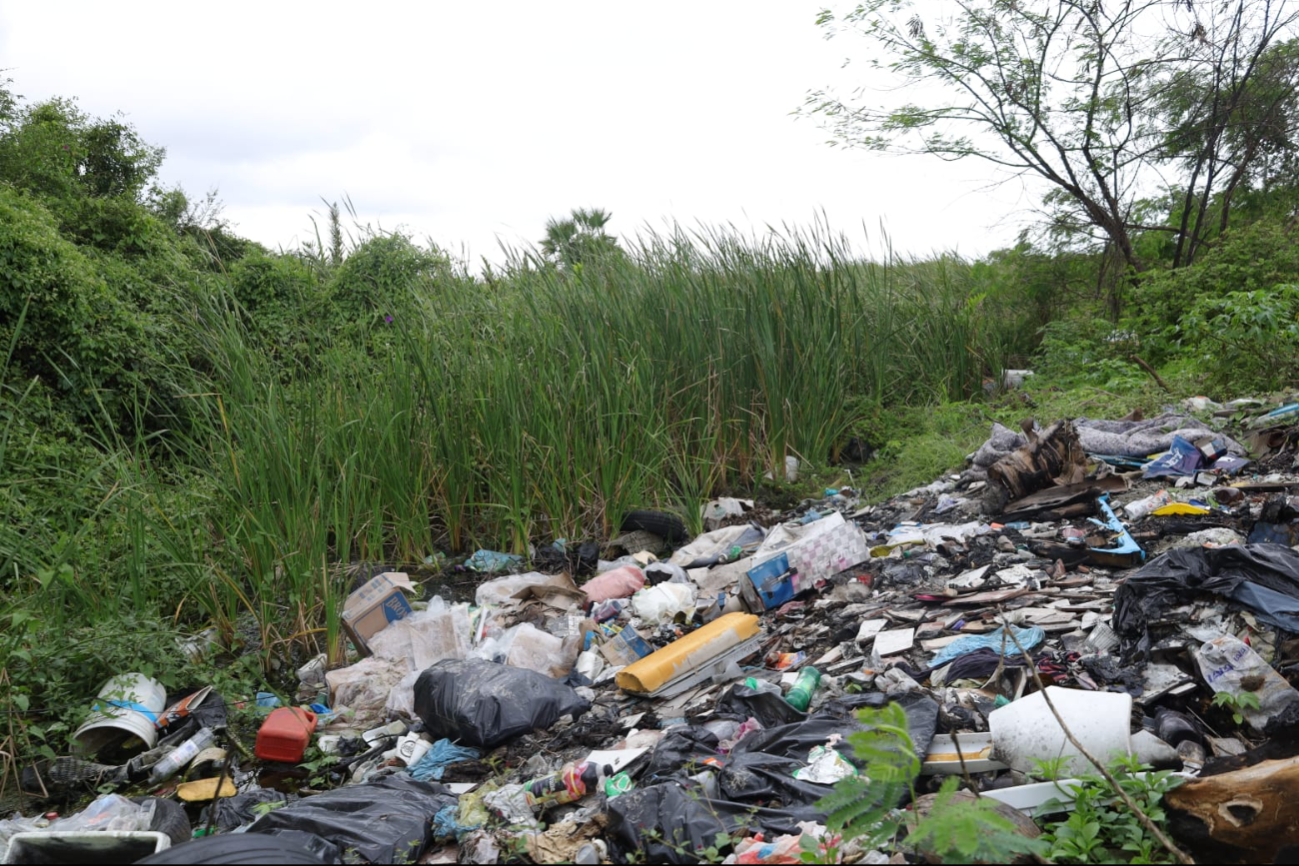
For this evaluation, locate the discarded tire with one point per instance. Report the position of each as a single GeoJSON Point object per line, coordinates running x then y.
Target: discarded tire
{"type": "Point", "coordinates": [287, 847]}
{"type": "Point", "coordinates": [168, 817]}
{"type": "Point", "coordinates": [669, 527]}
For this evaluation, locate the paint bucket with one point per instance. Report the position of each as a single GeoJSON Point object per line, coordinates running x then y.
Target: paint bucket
{"type": "Point", "coordinates": [128, 706]}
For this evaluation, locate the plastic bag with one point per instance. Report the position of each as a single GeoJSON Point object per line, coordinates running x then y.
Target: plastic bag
{"type": "Point", "coordinates": [1239, 572]}
{"type": "Point", "coordinates": [385, 821]}
{"type": "Point", "coordinates": [501, 590]}
{"type": "Point", "coordinates": [1182, 458]}
{"type": "Point", "coordinates": [365, 687]}
{"type": "Point", "coordinates": [109, 812]}
{"type": "Point", "coordinates": [485, 704]}
{"type": "Point", "coordinates": [1225, 661]}
{"type": "Point", "coordinates": [682, 749]}
{"type": "Point", "coordinates": [663, 603]}
{"type": "Point", "coordinates": [526, 646]}
{"type": "Point", "coordinates": [618, 583]}
{"type": "Point", "coordinates": [683, 822]}
{"type": "Point", "coordinates": [996, 641]}
{"type": "Point", "coordinates": [230, 813]}
{"type": "Point", "coordinates": [665, 572]}
{"type": "Point", "coordinates": [769, 708]}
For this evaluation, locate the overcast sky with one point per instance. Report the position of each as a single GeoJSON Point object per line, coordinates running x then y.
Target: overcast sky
{"type": "Point", "coordinates": [471, 123]}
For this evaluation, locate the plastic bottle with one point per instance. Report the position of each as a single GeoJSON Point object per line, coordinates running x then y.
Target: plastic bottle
{"type": "Point", "coordinates": [184, 753]}
{"type": "Point", "coordinates": [1142, 507]}
{"type": "Point", "coordinates": [800, 696]}
{"type": "Point", "coordinates": [571, 783]}
{"type": "Point", "coordinates": [762, 685]}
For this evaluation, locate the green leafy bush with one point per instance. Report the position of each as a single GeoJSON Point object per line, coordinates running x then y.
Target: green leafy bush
{"type": "Point", "coordinates": [1246, 340]}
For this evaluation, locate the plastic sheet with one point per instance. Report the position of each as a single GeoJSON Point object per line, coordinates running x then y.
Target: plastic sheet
{"type": "Point", "coordinates": [485, 704]}
{"type": "Point", "coordinates": [1236, 572]}
{"type": "Point", "coordinates": [385, 821]}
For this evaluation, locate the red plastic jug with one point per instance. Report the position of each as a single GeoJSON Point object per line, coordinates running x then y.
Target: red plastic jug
{"type": "Point", "coordinates": [285, 734]}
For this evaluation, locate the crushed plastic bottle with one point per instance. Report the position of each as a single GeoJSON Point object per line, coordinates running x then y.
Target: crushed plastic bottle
{"type": "Point", "coordinates": [184, 753]}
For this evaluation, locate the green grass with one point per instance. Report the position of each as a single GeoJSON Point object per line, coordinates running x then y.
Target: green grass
{"type": "Point", "coordinates": [545, 404]}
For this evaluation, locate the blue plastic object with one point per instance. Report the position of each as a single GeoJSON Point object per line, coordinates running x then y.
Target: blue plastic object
{"type": "Point", "coordinates": [773, 582]}
{"type": "Point", "coordinates": [1182, 458]}
{"type": "Point", "coordinates": [1126, 553]}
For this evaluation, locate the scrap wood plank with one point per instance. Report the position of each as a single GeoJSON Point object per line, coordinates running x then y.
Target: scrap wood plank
{"type": "Point", "coordinates": [993, 597]}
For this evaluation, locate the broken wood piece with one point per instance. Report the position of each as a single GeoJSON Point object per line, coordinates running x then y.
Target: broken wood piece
{"type": "Point", "coordinates": [1244, 816]}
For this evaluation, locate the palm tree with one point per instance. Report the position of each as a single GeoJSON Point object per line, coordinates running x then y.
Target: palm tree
{"type": "Point", "coordinates": [581, 237]}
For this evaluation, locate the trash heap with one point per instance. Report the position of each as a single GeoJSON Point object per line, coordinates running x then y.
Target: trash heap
{"type": "Point", "coordinates": [637, 706]}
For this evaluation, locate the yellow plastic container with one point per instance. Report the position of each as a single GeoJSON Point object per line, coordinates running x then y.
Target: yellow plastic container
{"type": "Point", "coordinates": [682, 656]}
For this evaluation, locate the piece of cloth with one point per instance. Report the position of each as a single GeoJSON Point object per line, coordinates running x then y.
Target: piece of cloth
{"type": "Point", "coordinates": [996, 641]}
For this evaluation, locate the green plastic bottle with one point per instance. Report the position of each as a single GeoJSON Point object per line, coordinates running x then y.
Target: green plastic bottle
{"type": "Point", "coordinates": [800, 696]}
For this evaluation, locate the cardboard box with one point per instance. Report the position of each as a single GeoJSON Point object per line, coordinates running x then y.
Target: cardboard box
{"type": "Point", "coordinates": [369, 610]}
{"type": "Point", "coordinates": [625, 647]}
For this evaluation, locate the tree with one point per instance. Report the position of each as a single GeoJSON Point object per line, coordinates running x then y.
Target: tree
{"type": "Point", "coordinates": [1069, 91]}
{"type": "Point", "coordinates": [578, 239]}
{"type": "Point", "coordinates": [1231, 125]}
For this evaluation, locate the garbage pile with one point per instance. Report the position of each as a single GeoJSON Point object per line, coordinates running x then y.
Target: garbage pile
{"type": "Point", "coordinates": [1083, 589]}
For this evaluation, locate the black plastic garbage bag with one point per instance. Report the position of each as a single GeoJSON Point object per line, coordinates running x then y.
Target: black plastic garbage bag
{"type": "Point", "coordinates": [389, 820]}
{"type": "Point", "coordinates": [768, 708]}
{"type": "Point", "coordinates": [839, 716]}
{"type": "Point", "coordinates": [1241, 573]}
{"type": "Point", "coordinates": [279, 846]}
{"type": "Point", "coordinates": [482, 703]}
{"type": "Point", "coordinates": [674, 823]}
{"type": "Point", "coordinates": [681, 752]}
{"type": "Point", "coordinates": [231, 812]}
{"type": "Point", "coordinates": [752, 777]}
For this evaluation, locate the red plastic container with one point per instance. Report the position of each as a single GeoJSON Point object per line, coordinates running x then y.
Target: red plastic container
{"type": "Point", "coordinates": [284, 735]}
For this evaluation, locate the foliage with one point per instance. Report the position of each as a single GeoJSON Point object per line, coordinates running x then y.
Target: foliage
{"type": "Point", "coordinates": [1100, 829]}
{"type": "Point", "coordinates": [864, 806]}
{"type": "Point", "coordinates": [1103, 103]}
{"type": "Point", "coordinates": [578, 239]}
{"type": "Point", "coordinates": [1237, 703]}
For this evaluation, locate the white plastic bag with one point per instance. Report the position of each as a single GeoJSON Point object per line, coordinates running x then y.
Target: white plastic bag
{"type": "Point", "coordinates": [1225, 661]}
{"type": "Point", "coordinates": [658, 604]}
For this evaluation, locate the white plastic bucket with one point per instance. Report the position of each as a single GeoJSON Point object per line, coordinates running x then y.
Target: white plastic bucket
{"type": "Point", "coordinates": [127, 704]}
{"type": "Point", "coordinates": [1027, 729]}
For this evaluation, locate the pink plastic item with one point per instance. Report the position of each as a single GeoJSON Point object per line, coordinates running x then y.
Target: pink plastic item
{"type": "Point", "coordinates": [619, 583]}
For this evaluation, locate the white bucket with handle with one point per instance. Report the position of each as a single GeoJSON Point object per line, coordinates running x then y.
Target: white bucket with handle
{"type": "Point", "coordinates": [128, 705]}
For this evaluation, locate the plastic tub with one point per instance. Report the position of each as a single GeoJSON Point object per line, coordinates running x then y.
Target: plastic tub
{"type": "Point", "coordinates": [128, 705]}
{"type": "Point", "coordinates": [94, 846]}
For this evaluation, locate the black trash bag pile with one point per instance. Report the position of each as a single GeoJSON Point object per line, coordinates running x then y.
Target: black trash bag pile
{"type": "Point", "coordinates": [482, 703]}
{"type": "Point", "coordinates": [389, 820]}
{"type": "Point", "coordinates": [275, 846]}
{"type": "Point", "coordinates": [1261, 577]}
{"type": "Point", "coordinates": [675, 820]}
